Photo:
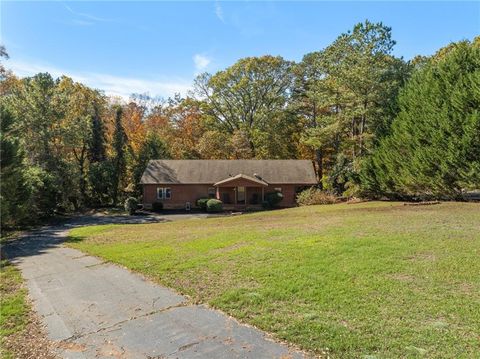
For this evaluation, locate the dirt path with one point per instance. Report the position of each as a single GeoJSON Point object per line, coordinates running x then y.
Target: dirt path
{"type": "Point", "coordinates": [95, 309]}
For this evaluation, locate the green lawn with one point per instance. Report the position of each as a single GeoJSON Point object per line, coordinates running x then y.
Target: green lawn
{"type": "Point", "coordinates": [14, 307]}
{"type": "Point", "coordinates": [373, 280]}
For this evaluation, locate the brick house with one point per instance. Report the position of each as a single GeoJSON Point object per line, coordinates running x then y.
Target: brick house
{"type": "Point", "coordinates": [239, 184]}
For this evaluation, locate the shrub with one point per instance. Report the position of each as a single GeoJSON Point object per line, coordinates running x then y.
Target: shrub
{"type": "Point", "coordinates": [202, 203]}
{"type": "Point", "coordinates": [313, 196]}
{"type": "Point", "coordinates": [214, 205]}
{"type": "Point", "coordinates": [157, 206]}
{"type": "Point", "coordinates": [131, 205]}
{"type": "Point", "coordinates": [265, 204]}
{"type": "Point", "coordinates": [273, 198]}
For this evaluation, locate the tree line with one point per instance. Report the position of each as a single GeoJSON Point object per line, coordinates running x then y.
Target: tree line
{"type": "Point", "coordinates": [374, 125]}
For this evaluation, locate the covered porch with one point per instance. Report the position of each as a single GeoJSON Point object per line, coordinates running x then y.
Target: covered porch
{"type": "Point", "coordinates": [241, 192]}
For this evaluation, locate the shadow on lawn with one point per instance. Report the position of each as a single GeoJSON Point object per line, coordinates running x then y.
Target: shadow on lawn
{"type": "Point", "coordinates": [42, 239]}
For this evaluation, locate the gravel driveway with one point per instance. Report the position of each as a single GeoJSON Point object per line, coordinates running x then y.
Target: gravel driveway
{"type": "Point", "coordinates": [96, 309]}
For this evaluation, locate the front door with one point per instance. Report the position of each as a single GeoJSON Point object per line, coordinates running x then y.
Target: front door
{"type": "Point", "coordinates": [240, 195]}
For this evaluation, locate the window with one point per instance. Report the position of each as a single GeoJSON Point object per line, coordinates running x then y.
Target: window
{"type": "Point", "coordinates": [278, 189]}
{"type": "Point", "coordinates": [164, 193]}
{"type": "Point", "coordinates": [212, 192]}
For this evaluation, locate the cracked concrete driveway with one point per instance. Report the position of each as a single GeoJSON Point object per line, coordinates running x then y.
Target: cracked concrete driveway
{"type": "Point", "coordinates": [96, 309]}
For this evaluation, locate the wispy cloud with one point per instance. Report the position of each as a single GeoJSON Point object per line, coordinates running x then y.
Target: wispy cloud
{"type": "Point", "coordinates": [219, 11]}
{"type": "Point", "coordinates": [201, 62]}
{"type": "Point", "coordinates": [86, 15]}
{"type": "Point", "coordinates": [110, 84]}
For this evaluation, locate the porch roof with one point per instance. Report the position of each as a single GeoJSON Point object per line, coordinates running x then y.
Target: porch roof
{"type": "Point", "coordinates": [254, 180]}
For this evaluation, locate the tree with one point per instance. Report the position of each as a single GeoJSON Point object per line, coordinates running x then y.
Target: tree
{"type": "Point", "coordinates": [76, 131]}
{"type": "Point", "coordinates": [347, 91]}
{"type": "Point", "coordinates": [3, 54]}
{"type": "Point", "coordinates": [96, 145]}
{"type": "Point", "coordinates": [35, 104]}
{"type": "Point", "coordinates": [118, 160]}
{"type": "Point", "coordinates": [12, 189]}
{"type": "Point", "coordinates": [249, 97]}
{"type": "Point", "coordinates": [153, 148]}
{"type": "Point", "coordinates": [310, 95]}
{"type": "Point", "coordinates": [433, 149]}
{"type": "Point", "coordinates": [38, 105]}
{"type": "Point", "coordinates": [26, 192]}
{"type": "Point", "coordinates": [133, 125]}
{"type": "Point", "coordinates": [186, 125]}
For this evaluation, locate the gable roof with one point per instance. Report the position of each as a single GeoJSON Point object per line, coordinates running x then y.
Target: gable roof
{"type": "Point", "coordinates": [212, 171]}
{"type": "Point", "coordinates": [248, 178]}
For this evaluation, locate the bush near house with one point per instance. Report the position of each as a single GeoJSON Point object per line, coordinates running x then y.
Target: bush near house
{"type": "Point", "coordinates": [313, 195]}
{"type": "Point", "coordinates": [214, 205]}
{"type": "Point", "coordinates": [131, 205]}
{"type": "Point", "coordinates": [202, 203]}
{"type": "Point", "coordinates": [157, 206]}
{"type": "Point", "coordinates": [273, 199]}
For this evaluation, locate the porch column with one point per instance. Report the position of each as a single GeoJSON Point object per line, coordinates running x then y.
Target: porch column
{"type": "Point", "coordinates": [263, 194]}
{"type": "Point", "coordinates": [235, 190]}
{"type": "Point", "coordinates": [217, 194]}
{"type": "Point", "coordinates": [246, 197]}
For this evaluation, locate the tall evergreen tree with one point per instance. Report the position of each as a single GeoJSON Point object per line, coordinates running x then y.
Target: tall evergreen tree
{"type": "Point", "coordinates": [119, 155]}
{"type": "Point", "coordinates": [152, 149]}
{"type": "Point", "coordinates": [96, 148]}
{"type": "Point", "coordinates": [434, 146]}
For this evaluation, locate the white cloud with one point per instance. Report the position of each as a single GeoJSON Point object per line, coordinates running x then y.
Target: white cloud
{"type": "Point", "coordinates": [201, 62]}
{"type": "Point", "coordinates": [219, 12]}
{"type": "Point", "coordinates": [111, 85]}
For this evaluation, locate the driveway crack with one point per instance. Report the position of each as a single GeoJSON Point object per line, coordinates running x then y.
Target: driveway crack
{"type": "Point", "coordinates": [79, 336]}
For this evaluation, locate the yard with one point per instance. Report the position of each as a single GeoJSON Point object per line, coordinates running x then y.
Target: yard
{"type": "Point", "coordinates": [372, 280]}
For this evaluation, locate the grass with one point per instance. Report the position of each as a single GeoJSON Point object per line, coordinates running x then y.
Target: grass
{"type": "Point", "coordinates": [373, 280]}
{"type": "Point", "coordinates": [14, 307]}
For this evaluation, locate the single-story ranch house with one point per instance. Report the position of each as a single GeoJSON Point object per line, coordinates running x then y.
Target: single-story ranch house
{"type": "Point", "coordinates": [239, 184]}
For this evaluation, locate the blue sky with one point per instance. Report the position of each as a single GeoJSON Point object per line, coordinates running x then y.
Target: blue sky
{"type": "Point", "coordinates": [159, 47]}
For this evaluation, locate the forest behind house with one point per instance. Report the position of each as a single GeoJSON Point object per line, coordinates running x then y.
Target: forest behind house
{"type": "Point", "coordinates": [375, 126]}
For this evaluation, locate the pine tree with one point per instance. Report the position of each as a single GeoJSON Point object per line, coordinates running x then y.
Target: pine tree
{"type": "Point", "coordinates": [97, 141]}
{"type": "Point", "coordinates": [152, 149]}
{"type": "Point", "coordinates": [119, 157]}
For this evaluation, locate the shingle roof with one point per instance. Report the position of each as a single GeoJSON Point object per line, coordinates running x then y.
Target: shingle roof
{"type": "Point", "coordinates": [212, 171]}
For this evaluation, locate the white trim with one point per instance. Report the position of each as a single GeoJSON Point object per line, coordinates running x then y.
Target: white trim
{"type": "Point", "coordinates": [162, 193]}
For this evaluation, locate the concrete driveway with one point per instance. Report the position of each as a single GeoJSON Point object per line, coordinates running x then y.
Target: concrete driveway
{"type": "Point", "coordinates": [96, 309]}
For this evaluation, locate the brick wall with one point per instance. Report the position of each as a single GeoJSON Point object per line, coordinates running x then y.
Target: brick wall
{"type": "Point", "coordinates": [182, 193]}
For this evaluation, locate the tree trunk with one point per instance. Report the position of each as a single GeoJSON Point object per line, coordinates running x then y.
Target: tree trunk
{"type": "Point", "coordinates": [319, 160]}
{"type": "Point", "coordinates": [82, 183]}
{"type": "Point", "coordinates": [362, 128]}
